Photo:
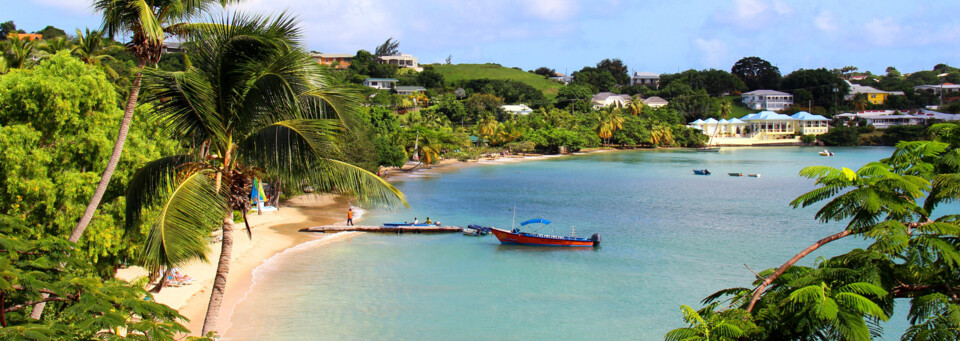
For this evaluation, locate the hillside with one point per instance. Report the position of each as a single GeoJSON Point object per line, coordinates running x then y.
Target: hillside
{"type": "Point", "coordinates": [457, 72]}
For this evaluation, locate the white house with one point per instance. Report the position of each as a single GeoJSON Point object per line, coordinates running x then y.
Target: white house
{"type": "Point", "coordinates": [882, 119]}
{"type": "Point", "coordinates": [655, 102]}
{"type": "Point", "coordinates": [810, 124]}
{"type": "Point", "coordinates": [409, 89]}
{"type": "Point", "coordinates": [946, 88]}
{"type": "Point", "coordinates": [767, 100]}
{"type": "Point", "coordinates": [380, 83]}
{"type": "Point", "coordinates": [649, 79]}
{"type": "Point", "coordinates": [401, 60]}
{"type": "Point", "coordinates": [607, 99]}
{"type": "Point", "coordinates": [516, 109]}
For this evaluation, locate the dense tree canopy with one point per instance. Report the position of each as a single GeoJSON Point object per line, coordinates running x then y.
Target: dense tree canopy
{"type": "Point", "coordinates": [615, 68]}
{"type": "Point", "coordinates": [820, 83]}
{"type": "Point", "coordinates": [757, 73]}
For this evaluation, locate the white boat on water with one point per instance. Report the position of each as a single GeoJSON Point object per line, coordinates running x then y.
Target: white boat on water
{"type": "Point", "coordinates": [826, 152]}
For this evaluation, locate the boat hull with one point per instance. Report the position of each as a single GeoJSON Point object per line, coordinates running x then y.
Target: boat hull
{"type": "Point", "coordinates": [508, 237]}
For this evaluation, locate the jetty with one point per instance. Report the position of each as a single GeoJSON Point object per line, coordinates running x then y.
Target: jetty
{"type": "Point", "coordinates": [383, 229]}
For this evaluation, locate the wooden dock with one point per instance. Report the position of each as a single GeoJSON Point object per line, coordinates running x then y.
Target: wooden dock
{"type": "Point", "coordinates": [383, 229]}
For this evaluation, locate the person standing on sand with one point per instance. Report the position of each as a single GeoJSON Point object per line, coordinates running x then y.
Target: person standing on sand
{"type": "Point", "coordinates": [349, 217]}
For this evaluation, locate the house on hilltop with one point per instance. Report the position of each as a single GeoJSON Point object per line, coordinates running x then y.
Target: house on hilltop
{"type": "Point", "coordinates": [767, 100]}
{"type": "Point", "coordinates": [338, 61]}
{"type": "Point", "coordinates": [517, 109]}
{"type": "Point", "coordinates": [401, 60]}
{"type": "Point", "coordinates": [648, 79]}
{"type": "Point", "coordinates": [409, 89]}
{"type": "Point", "coordinates": [25, 36]}
{"type": "Point", "coordinates": [380, 83]}
{"type": "Point", "coordinates": [874, 96]}
{"type": "Point", "coordinates": [655, 102]}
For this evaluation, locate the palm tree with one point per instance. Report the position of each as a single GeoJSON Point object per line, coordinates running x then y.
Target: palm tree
{"type": "Point", "coordinates": [52, 46]}
{"type": "Point", "coordinates": [609, 121]}
{"type": "Point", "coordinates": [707, 324]}
{"type": "Point", "coordinates": [661, 135]}
{"type": "Point", "coordinates": [726, 108]}
{"type": "Point", "coordinates": [150, 22]}
{"type": "Point", "coordinates": [860, 102]}
{"type": "Point", "coordinates": [254, 104]}
{"type": "Point", "coordinates": [19, 51]}
{"type": "Point", "coordinates": [90, 49]}
{"type": "Point", "coordinates": [839, 310]}
{"type": "Point", "coordinates": [635, 107]}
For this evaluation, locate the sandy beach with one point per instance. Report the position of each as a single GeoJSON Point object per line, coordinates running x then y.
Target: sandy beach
{"type": "Point", "coordinates": [273, 233]}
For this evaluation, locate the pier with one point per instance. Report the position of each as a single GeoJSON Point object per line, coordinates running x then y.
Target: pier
{"type": "Point", "coordinates": [383, 229]}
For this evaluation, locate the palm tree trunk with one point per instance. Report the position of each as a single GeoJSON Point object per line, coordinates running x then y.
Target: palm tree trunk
{"type": "Point", "coordinates": [783, 268]}
{"type": "Point", "coordinates": [220, 281]}
{"type": "Point", "coordinates": [104, 179]}
{"type": "Point", "coordinates": [114, 159]}
{"type": "Point", "coordinates": [163, 280]}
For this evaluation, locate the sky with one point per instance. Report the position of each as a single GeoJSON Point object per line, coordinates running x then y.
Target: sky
{"type": "Point", "coordinates": [653, 35]}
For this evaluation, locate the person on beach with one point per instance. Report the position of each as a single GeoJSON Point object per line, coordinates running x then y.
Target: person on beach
{"type": "Point", "coordinates": [349, 217]}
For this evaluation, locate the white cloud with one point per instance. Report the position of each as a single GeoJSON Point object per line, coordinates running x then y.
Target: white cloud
{"type": "Point", "coordinates": [782, 8]}
{"type": "Point", "coordinates": [749, 10]}
{"type": "Point", "coordinates": [825, 22]}
{"type": "Point", "coordinates": [713, 52]}
{"type": "Point", "coordinates": [552, 10]}
{"type": "Point", "coordinates": [77, 6]}
{"type": "Point", "coordinates": [882, 32]}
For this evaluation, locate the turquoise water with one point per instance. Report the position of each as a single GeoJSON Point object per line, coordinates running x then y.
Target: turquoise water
{"type": "Point", "coordinates": [669, 238]}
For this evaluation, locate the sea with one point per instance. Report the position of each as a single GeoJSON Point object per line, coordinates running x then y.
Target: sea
{"type": "Point", "coordinates": [669, 238]}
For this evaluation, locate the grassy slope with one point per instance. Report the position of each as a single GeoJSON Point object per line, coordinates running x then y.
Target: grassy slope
{"type": "Point", "coordinates": [738, 109]}
{"type": "Point", "coordinates": [456, 72]}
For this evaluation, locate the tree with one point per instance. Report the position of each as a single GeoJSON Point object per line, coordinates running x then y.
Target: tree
{"type": "Point", "coordinates": [388, 48]}
{"type": "Point", "coordinates": [149, 24]}
{"type": "Point", "coordinates": [757, 73]}
{"type": "Point", "coordinates": [726, 108]}
{"type": "Point", "coordinates": [616, 69]}
{"type": "Point", "coordinates": [707, 324]}
{"type": "Point", "coordinates": [90, 49]}
{"type": "Point", "coordinates": [599, 80]}
{"type": "Point", "coordinates": [51, 32]}
{"type": "Point", "coordinates": [6, 28]}
{"type": "Point", "coordinates": [545, 71]}
{"type": "Point", "coordinates": [19, 52]}
{"type": "Point", "coordinates": [269, 119]}
{"type": "Point", "coordinates": [430, 78]}
{"type": "Point", "coordinates": [573, 93]}
{"type": "Point", "coordinates": [820, 83]}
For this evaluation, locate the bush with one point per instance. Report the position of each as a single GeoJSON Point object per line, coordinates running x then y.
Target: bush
{"type": "Point", "coordinates": [808, 138]}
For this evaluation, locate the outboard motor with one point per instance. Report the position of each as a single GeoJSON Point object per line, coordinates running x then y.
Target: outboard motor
{"type": "Point", "coordinates": [596, 239]}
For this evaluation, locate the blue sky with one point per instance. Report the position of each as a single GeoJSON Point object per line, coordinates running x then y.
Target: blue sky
{"type": "Point", "coordinates": [657, 36]}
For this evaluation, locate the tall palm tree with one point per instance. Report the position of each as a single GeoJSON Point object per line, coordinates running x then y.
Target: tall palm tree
{"type": "Point", "coordinates": [150, 22]}
{"type": "Point", "coordinates": [635, 107]}
{"type": "Point", "coordinates": [19, 51]}
{"type": "Point", "coordinates": [52, 46]}
{"type": "Point", "coordinates": [860, 102]}
{"type": "Point", "coordinates": [255, 104]}
{"type": "Point", "coordinates": [661, 135]}
{"type": "Point", "coordinates": [726, 108]}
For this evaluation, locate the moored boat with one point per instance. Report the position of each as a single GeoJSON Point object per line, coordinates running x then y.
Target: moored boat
{"type": "Point", "coordinates": [527, 238]}
{"type": "Point", "coordinates": [701, 172]}
{"type": "Point", "coordinates": [708, 149]}
{"type": "Point", "coordinates": [754, 175]}
{"type": "Point", "coordinates": [735, 174]}
{"type": "Point", "coordinates": [476, 230]}
{"type": "Point", "coordinates": [826, 152]}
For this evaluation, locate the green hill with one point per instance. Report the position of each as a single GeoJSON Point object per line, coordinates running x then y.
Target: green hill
{"type": "Point", "coordinates": [457, 72]}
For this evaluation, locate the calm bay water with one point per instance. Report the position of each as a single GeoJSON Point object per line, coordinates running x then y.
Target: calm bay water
{"type": "Point", "coordinates": [669, 238]}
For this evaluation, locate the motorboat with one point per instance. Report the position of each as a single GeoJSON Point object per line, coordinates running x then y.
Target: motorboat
{"type": "Point", "coordinates": [518, 237]}
{"type": "Point", "coordinates": [701, 172]}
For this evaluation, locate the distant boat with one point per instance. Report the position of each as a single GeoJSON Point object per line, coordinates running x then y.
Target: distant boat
{"type": "Point", "coordinates": [476, 230]}
{"type": "Point", "coordinates": [701, 172]}
{"type": "Point", "coordinates": [826, 153]}
{"type": "Point", "coordinates": [527, 238]}
{"type": "Point", "coordinates": [708, 149]}
{"type": "Point", "coordinates": [735, 174]}
{"type": "Point", "coordinates": [754, 175]}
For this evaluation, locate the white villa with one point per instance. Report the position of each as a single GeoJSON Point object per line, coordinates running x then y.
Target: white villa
{"type": "Point", "coordinates": [762, 127]}
{"type": "Point", "coordinates": [409, 89]}
{"type": "Point", "coordinates": [607, 99]}
{"type": "Point", "coordinates": [401, 60]}
{"type": "Point", "coordinates": [767, 100]}
{"type": "Point", "coordinates": [882, 119]}
{"type": "Point", "coordinates": [649, 79]}
{"type": "Point", "coordinates": [516, 109]}
{"type": "Point", "coordinates": [655, 102]}
{"type": "Point", "coordinates": [946, 88]}
{"type": "Point", "coordinates": [380, 83]}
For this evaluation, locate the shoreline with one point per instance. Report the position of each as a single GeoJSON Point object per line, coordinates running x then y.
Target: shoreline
{"type": "Point", "coordinates": [273, 234]}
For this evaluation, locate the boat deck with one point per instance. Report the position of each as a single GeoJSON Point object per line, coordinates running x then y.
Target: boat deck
{"type": "Point", "coordinates": [383, 229]}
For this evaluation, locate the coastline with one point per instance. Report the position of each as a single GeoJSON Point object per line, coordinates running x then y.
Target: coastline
{"type": "Point", "coordinates": [274, 233]}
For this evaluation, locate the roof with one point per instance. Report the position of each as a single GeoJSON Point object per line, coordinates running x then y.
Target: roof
{"type": "Point", "coordinates": [646, 74]}
{"type": "Point", "coordinates": [711, 120]}
{"type": "Point", "coordinates": [805, 116]}
{"type": "Point", "coordinates": [864, 89]}
{"type": "Point", "coordinates": [332, 55]}
{"type": "Point", "coordinates": [380, 80]}
{"type": "Point", "coordinates": [516, 108]}
{"type": "Point", "coordinates": [767, 116]}
{"type": "Point", "coordinates": [604, 95]}
{"type": "Point", "coordinates": [410, 88]}
{"type": "Point", "coordinates": [736, 120]}
{"type": "Point", "coordinates": [655, 100]}
{"type": "Point", "coordinates": [766, 92]}
{"type": "Point", "coordinates": [698, 121]}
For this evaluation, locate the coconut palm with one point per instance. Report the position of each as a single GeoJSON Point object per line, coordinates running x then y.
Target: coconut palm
{"type": "Point", "coordinates": [726, 108]}
{"type": "Point", "coordinates": [52, 46]}
{"type": "Point", "coordinates": [661, 135]}
{"type": "Point", "coordinates": [91, 50]}
{"type": "Point", "coordinates": [609, 121]}
{"type": "Point", "coordinates": [19, 51]}
{"type": "Point", "coordinates": [150, 22]}
{"type": "Point", "coordinates": [635, 107]}
{"type": "Point", "coordinates": [254, 104]}
{"type": "Point", "coordinates": [860, 102]}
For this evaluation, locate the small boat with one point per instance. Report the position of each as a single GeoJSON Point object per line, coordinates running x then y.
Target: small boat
{"type": "Point", "coordinates": [476, 230]}
{"type": "Point", "coordinates": [735, 174]}
{"type": "Point", "coordinates": [708, 149]}
{"type": "Point", "coordinates": [528, 238]}
{"type": "Point", "coordinates": [826, 152]}
{"type": "Point", "coordinates": [404, 224]}
{"type": "Point", "coordinates": [701, 172]}
{"type": "Point", "coordinates": [754, 175]}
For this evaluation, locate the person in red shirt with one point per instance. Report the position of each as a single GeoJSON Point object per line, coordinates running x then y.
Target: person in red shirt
{"type": "Point", "coordinates": [350, 217]}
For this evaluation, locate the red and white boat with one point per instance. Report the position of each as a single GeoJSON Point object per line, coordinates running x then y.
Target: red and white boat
{"type": "Point", "coordinates": [527, 238]}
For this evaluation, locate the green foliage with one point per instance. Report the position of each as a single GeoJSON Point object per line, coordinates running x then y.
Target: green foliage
{"type": "Point", "coordinates": [510, 91]}
{"type": "Point", "coordinates": [364, 64]}
{"type": "Point", "coordinates": [460, 72]}
{"type": "Point", "coordinates": [841, 136]}
{"type": "Point", "coordinates": [808, 138]}
{"type": "Point", "coordinates": [599, 80]}
{"type": "Point", "coordinates": [820, 83]}
{"type": "Point", "coordinates": [573, 94]}
{"type": "Point", "coordinates": [757, 73]}
{"type": "Point", "coordinates": [430, 78]}
{"type": "Point", "coordinates": [6, 28]}
{"type": "Point", "coordinates": [81, 305]}
{"type": "Point", "coordinates": [51, 32]}
{"type": "Point", "coordinates": [714, 82]}
{"type": "Point", "coordinates": [616, 69]}
{"type": "Point", "coordinates": [388, 48]}
{"type": "Point", "coordinates": [57, 123]}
